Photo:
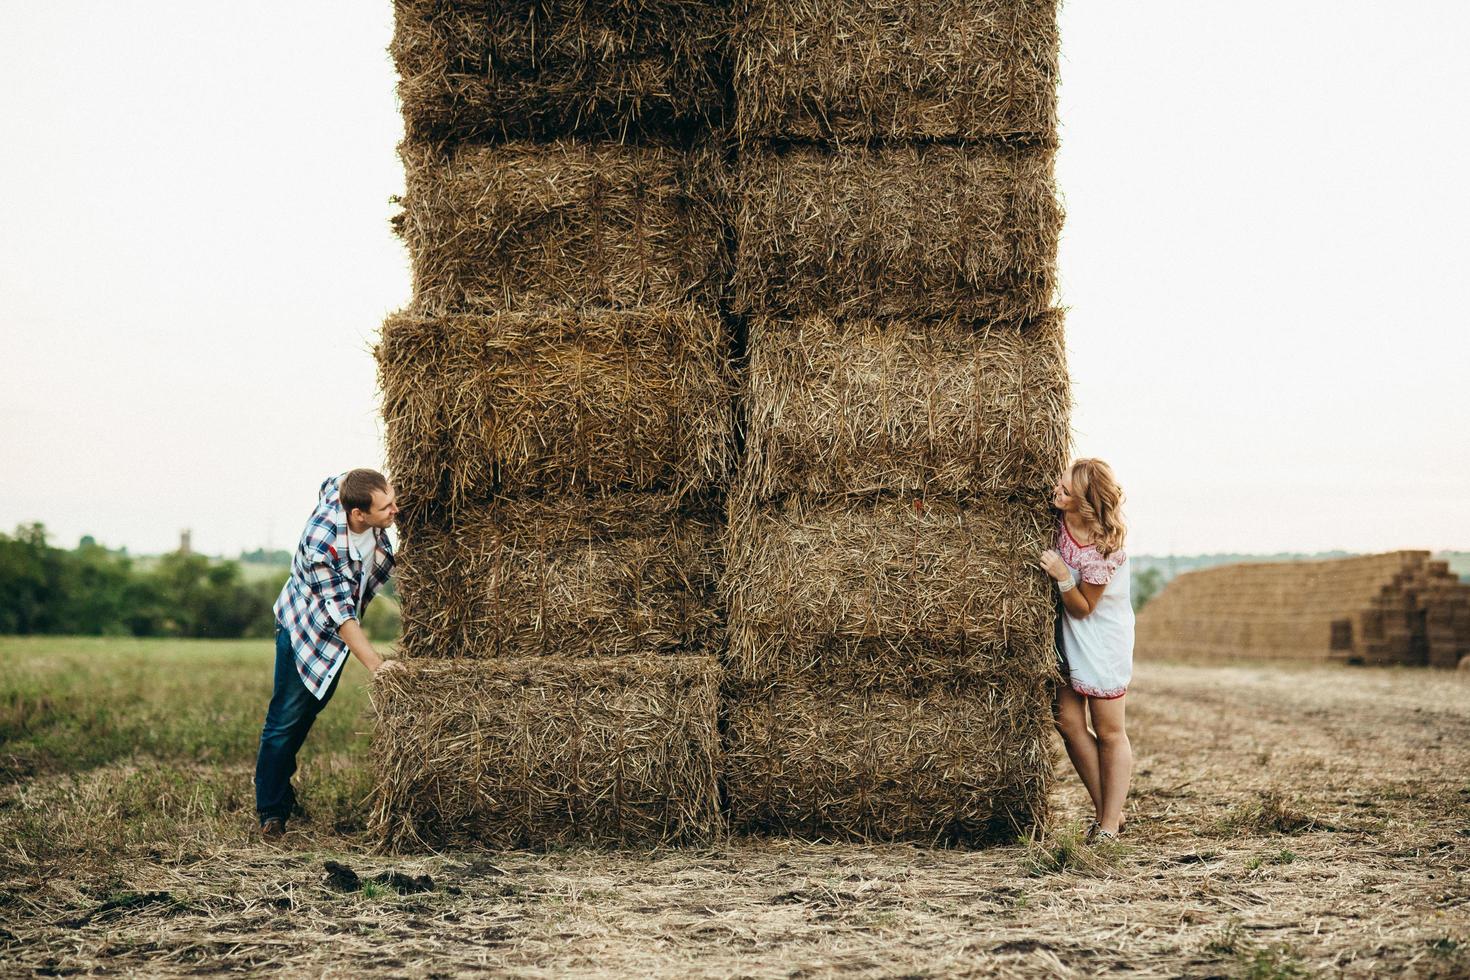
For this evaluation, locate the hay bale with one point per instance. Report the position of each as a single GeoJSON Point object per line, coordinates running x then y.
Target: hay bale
{"type": "Point", "coordinates": [566, 576]}
{"type": "Point", "coordinates": [855, 69]}
{"type": "Point", "coordinates": [528, 225]}
{"type": "Point", "coordinates": [542, 753]}
{"type": "Point", "coordinates": [904, 405]}
{"type": "Point", "coordinates": [940, 766]}
{"type": "Point", "coordinates": [543, 68]}
{"type": "Point", "coordinates": [907, 230]}
{"type": "Point", "coordinates": [1367, 609]}
{"type": "Point", "coordinates": [888, 593]}
{"type": "Point", "coordinates": [478, 404]}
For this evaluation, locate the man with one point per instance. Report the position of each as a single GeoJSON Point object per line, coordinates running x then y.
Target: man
{"type": "Point", "coordinates": [343, 558]}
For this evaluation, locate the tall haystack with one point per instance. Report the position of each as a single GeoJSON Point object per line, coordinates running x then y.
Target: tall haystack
{"type": "Point", "coordinates": [723, 418]}
{"type": "Point", "coordinates": [560, 424]}
{"type": "Point", "coordinates": [890, 660]}
{"type": "Point", "coordinates": [1394, 608]}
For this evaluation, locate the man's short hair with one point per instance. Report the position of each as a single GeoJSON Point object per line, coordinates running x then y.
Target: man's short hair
{"type": "Point", "coordinates": [358, 487]}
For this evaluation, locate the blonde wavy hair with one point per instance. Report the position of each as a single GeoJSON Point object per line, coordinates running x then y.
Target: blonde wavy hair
{"type": "Point", "coordinates": [1099, 503]}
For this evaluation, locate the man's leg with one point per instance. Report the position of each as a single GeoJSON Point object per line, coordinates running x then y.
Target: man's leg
{"type": "Point", "coordinates": [313, 708]}
{"type": "Point", "coordinates": [287, 720]}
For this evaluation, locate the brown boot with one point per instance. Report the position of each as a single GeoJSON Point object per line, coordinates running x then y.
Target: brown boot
{"type": "Point", "coordinates": [273, 829]}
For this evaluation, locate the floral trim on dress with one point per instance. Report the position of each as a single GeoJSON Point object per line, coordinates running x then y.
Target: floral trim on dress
{"type": "Point", "coordinates": [1099, 693]}
{"type": "Point", "coordinates": [1091, 567]}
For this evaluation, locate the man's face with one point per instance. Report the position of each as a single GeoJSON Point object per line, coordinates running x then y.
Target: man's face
{"type": "Point", "coordinates": [384, 509]}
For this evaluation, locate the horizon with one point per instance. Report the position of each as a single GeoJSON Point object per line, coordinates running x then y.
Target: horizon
{"type": "Point", "coordinates": [125, 550]}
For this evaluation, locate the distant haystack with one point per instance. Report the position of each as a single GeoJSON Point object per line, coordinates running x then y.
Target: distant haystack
{"type": "Point", "coordinates": [1394, 608]}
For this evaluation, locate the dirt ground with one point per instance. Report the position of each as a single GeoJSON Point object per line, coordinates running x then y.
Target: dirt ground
{"type": "Point", "coordinates": [1284, 822]}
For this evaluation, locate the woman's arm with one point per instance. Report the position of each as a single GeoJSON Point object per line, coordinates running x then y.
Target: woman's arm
{"type": "Point", "coordinates": [1080, 600]}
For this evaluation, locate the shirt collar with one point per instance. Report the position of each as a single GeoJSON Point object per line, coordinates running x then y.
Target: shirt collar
{"type": "Point", "coordinates": [352, 544]}
{"type": "Point", "coordinates": [331, 503]}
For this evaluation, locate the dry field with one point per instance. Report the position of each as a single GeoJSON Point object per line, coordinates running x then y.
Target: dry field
{"type": "Point", "coordinates": [1286, 821]}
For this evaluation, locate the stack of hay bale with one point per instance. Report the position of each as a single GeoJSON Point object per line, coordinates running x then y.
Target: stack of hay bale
{"type": "Point", "coordinates": [1394, 608]}
{"type": "Point", "coordinates": [906, 410]}
{"type": "Point", "coordinates": [1446, 602]}
{"type": "Point", "coordinates": [559, 419]}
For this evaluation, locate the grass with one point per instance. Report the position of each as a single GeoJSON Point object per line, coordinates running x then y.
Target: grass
{"type": "Point", "coordinates": [1282, 856]}
{"type": "Point", "coordinates": [1228, 940]}
{"type": "Point", "coordinates": [1268, 813]}
{"type": "Point", "coordinates": [1254, 962]}
{"type": "Point", "coordinates": [1067, 850]}
{"type": "Point", "coordinates": [128, 744]}
{"type": "Point", "coordinates": [1271, 963]}
{"type": "Point", "coordinates": [68, 704]}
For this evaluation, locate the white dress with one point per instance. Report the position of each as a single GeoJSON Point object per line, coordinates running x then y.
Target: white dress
{"type": "Point", "coordinates": [1099, 647]}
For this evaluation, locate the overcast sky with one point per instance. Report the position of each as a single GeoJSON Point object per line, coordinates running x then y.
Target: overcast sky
{"type": "Point", "coordinates": [1264, 259]}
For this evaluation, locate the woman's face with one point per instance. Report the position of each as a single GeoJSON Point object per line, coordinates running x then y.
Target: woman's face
{"type": "Point", "coordinates": [1061, 495]}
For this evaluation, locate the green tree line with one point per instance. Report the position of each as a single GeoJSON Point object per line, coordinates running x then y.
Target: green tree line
{"type": "Point", "coordinates": [93, 591]}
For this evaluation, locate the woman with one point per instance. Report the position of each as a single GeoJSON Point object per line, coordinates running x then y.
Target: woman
{"type": "Point", "coordinates": [1087, 565]}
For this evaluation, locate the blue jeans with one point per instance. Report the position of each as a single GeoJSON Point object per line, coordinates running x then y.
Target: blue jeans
{"type": "Point", "coordinates": [288, 719]}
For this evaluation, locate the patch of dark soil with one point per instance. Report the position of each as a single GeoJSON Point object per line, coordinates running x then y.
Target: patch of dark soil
{"type": "Point", "coordinates": [1271, 814]}
{"type": "Point", "coordinates": [14, 768]}
{"type": "Point", "coordinates": [822, 897]}
{"type": "Point", "coordinates": [480, 868]}
{"type": "Point", "coordinates": [117, 907]}
{"type": "Point", "coordinates": [342, 878]}
{"type": "Point", "coordinates": [405, 884]}
{"type": "Point", "coordinates": [1020, 946]}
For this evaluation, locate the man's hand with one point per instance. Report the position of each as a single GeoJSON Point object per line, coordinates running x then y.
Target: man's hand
{"type": "Point", "coordinates": [388, 665]}
{"type": "Point", "coordinates": [357, 642]}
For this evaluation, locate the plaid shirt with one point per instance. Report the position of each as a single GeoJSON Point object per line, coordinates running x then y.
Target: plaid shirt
{"type": "Point", "coordinates": [322, 592]}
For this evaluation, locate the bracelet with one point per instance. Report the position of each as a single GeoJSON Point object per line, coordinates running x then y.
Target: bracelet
{"type": "Point", "coordinates": [1066, 586]}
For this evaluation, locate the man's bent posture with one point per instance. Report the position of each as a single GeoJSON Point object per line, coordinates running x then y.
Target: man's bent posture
{"type": "Point", "coordinates": [343, 558]}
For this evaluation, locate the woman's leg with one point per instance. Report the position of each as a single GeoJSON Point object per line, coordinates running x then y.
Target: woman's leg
{"type": "Point", "coordinates": [1081, 746]}
{"type": "Point", "coordinates": [1116, 756]}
